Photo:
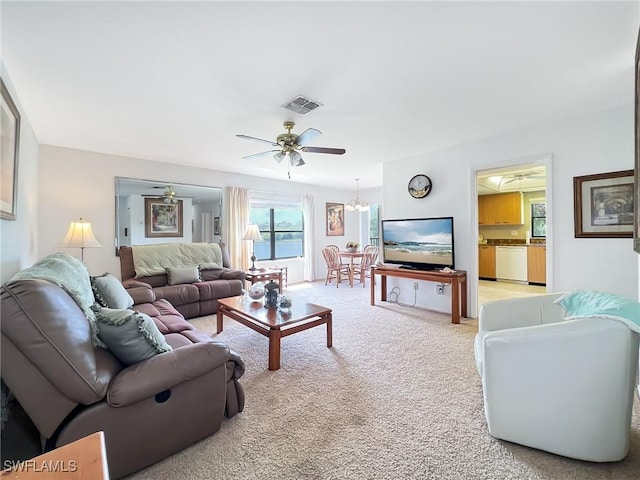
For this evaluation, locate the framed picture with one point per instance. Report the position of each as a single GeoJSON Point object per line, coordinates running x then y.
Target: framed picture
{"type": "Point", "coordinates": [161, 219]}
{"type": "Point", "coordinates": [603, 205]}
{"type": "Point", "coordinates": [636, 223]}
{"type": "Point", "coordinates": [10, 121]}
{"type": "Point", "coordinates": [335, 219]}
{"type": "Point", "coordinates": [216, 225]}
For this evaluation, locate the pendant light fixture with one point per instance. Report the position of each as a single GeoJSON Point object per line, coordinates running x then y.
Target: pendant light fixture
{"type": "Point", "coordinates": [356, 203]}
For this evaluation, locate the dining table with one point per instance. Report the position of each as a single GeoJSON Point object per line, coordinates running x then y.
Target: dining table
{"type": "Point", "coordinates": [351, 256]}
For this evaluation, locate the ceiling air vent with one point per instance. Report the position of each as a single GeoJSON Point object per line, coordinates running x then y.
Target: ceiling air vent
{"type": "Point", "coordinates": [301, 105]}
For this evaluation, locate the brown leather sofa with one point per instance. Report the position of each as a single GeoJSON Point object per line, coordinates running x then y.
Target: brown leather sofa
{"type": "Point", "coordinates": [70, 389]}
{"type": "Point", "coordinates": [191, 299]}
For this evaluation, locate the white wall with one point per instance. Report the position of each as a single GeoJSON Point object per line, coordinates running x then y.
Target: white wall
{"type": "Point", "coordinates": [75, 183]}
{"type": "Point", "coordinates": [596, 143]}
{"type": "Point", "coordinates": [19, 238]}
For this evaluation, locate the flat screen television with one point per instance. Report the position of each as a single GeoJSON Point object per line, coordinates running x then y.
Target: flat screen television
{"type": "Point", "coordinates": [419, 243]}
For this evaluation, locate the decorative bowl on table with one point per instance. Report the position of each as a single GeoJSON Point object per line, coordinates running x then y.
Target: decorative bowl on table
{"type": "Point", "coordinates": [284, 302]}
{"type": "Point", "coordinates": [256, 292]}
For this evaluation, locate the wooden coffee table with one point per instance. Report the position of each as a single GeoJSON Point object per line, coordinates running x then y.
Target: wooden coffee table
{"type": "Point", "coordinates": [274, 323]}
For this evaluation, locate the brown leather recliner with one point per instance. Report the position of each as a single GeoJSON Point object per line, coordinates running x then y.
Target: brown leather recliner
{"type": "Point", "coordinates": [70, 389]}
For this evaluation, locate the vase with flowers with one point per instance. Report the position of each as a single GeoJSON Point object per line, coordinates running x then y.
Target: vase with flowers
{"type": "Point", "coordinates": [352, 246]}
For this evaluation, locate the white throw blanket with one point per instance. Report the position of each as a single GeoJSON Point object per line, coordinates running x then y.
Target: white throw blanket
{"type": "Point", "coordinates": [154, 259]}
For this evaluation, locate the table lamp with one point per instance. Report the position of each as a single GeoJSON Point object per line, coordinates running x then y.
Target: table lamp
{"type": "Point", "coordinates": [80, 236]}
{"type": "Point", "coordinates": [253, 234]}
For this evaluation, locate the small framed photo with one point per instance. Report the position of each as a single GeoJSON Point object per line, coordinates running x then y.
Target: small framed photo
{"type": "Point", "coordinates": [162, 219]}
{"type": "Point", "coordinates": [216, 225]}
{"type": "Point", "coordinates": [603, 205]}
{"type": "Point", "coordinates": [10, 120]}
{"type": "Point", "coordinates": [335, 219]}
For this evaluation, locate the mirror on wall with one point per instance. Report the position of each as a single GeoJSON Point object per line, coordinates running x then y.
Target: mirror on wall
{"type": "Point", "coordinates": [153, 211]}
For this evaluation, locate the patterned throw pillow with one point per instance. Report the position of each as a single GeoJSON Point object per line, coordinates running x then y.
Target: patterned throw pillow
{"type": "Point", "coordinates": [109, 292]}
{"type": "Point", "coordinates": [131, 336]}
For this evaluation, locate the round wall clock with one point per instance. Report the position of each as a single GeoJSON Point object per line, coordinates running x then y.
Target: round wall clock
{"type": "Point", "coordinates": [419, 186]}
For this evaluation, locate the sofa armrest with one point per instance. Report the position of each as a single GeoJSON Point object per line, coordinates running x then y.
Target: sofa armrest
{"type": "Point", "coordinates": [133, 283]}
{"type": "Point", "coordinates": [520, 312]}
{"type": "Point", "coordinates": [142, 295]}
{"type": "Point", "coordinates": [165, 371]}
{"type": "Point", "coordinates": [233, 275]}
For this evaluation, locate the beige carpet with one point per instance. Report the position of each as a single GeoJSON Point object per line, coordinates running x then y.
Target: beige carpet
{"type": "Point", "coordinates": [397, 397]}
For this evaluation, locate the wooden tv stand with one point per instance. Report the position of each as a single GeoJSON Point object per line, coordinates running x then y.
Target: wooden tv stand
{"type": "Point", "coordinates": [457, 280]}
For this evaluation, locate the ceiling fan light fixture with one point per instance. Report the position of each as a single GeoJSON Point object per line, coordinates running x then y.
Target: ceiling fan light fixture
{"type": "Point", "coordinates": [279, 156]}
{"type": "Point", "coordinates": [296, 159]}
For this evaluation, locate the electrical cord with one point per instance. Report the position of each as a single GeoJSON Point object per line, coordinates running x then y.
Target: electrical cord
{"type": "Point", "coordinates": [394, 297]}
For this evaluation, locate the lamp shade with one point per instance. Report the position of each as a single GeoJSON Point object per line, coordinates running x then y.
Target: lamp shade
{"type": "Point", "coordinates": [253, 233]}
{"type": "Point", "coordinates": [80, 235]}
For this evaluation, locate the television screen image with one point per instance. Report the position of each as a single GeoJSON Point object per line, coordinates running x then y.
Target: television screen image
{"type": "Point", "coordinates": [421, 243]}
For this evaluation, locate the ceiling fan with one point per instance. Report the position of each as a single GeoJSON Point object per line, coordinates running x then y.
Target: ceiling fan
{"type": "Point", "coordinates": [289, 144]}
{"type": "Point", "coordinates": [522, 176]}
{"type": "Point", "coordinates": [168, 197]}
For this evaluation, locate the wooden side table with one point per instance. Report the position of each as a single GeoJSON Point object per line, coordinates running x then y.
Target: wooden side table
{"type": "Point", "coordinates": [80, 460]}
{"type": "Point", "coordinates": [264, 275]}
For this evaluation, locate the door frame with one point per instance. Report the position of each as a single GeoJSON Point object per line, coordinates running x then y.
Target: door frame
{"type": "Point", "coordinates": [474, 229]}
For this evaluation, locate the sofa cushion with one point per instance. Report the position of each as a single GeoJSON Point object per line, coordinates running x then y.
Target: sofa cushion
{"type": "Point", "coordinates": [131, 336]}
{"type": "Point", "coordinates": [109, 292]}
{"type": "Point", "coordinates": [180, 275]}
{"type": "Point", "coordinates": [585, 303]}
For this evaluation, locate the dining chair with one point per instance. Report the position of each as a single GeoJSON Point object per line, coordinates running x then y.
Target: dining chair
{"type": "Point", "coordinates": [363, 269]}
{"type": "Point", "coordinates": [335, 269]}
{"type": "Point", "coordinates": [336, 248]}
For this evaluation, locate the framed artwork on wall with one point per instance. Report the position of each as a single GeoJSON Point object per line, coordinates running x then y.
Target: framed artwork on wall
{"type": "Point", "coordinates": [604, 205]}
{"type": "Point", "coordinates": [335, 219]}
{"type": "Point", "coordinates": [10, 121]}
{"type": "Point", "coordinates": [636, 223]}
{"type": "Point", "coordinates": [161, 219]}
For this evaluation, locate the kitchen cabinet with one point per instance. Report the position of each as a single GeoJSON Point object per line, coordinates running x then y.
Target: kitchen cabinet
{"type": "Point", "coordinates": [501, 209]}
{"type": "Point", "coordinates": [487, 261]}
{"type": "Point", "coordinates": [537, 264]}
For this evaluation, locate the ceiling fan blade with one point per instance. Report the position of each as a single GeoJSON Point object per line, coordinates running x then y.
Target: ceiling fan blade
{"type": "Point", "coordinates": [247, 137]}
{"type": "Point", "coordinates": [306, 136]}
{"type": "Point", "coordinates": [512, 180]}
{"type": "Point", "coordinates": [334, 151]}
{"type": "Point", "coordinates": [261, 154]}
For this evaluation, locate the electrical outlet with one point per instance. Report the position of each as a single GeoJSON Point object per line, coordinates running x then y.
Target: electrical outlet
{"type": "Point", "coordinates": [415, 285]}
{"type": "Point", "coordinates": [440, 289]}
{"type": "Point", "coordinates": [514, 233]}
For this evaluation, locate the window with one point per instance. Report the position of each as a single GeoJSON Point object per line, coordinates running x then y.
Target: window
{"type": "Point", "coordinates": [282, 231]}
{"type": "Point", "coordinates": [538, 219]}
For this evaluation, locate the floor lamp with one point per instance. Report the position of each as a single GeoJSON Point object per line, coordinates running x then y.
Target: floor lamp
{"type": "Point", "coordinates": [80, 236]}
{"type": "Point", "coordinates": [253, 234]}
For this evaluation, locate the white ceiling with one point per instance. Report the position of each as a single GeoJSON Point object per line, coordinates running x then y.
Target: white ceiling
{"type": "Point", "coordinates": [176, 81]}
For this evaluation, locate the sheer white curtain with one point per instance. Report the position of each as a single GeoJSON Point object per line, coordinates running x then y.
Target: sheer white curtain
{"type": "Point", "coordinates": [237, 215]}
{"type": "Point", "coordinates": [308, 213]}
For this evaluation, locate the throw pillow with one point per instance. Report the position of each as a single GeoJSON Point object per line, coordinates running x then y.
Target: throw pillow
{"type": "Point", "coordinates": [109, 292]}
{"type": "Point", "coordinates": [131, 336]}
{"type": "Point", "coordinates": [177, 276]}
{"type": "Point", "coordinates": [585, 303]}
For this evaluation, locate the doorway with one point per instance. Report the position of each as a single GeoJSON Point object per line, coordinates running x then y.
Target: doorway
{"type": "Point", "coordinates": [527, 182]}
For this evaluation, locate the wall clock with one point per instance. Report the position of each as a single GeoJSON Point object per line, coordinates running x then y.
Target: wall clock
{"type": "Point", "coordinates": [419, 186]}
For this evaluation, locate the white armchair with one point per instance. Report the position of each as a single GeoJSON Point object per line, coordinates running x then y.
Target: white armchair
{"type": "Point", "coordinates": [564, 386]}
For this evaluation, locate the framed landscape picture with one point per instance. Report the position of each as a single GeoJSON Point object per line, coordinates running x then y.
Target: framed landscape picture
{"type": "Point", "coordinates": [335, 219]}
{"type": "Point", "coordinates": [604, 205]}
{"type": "Point", "coordinates": [161, 219]}
{"type": "Point", "coordinates": [10, 121]}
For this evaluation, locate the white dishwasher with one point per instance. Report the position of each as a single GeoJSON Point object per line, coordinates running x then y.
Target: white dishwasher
{"type": "Point", "coordinates": [511, 263]}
